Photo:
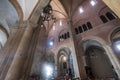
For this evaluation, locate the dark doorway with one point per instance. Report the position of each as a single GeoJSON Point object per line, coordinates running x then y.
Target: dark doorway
{"type": "Point", "coordinates": [98, 64]}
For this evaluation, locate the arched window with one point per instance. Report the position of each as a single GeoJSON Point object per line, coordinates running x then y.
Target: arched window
{"type": "Point", "coordinates": [76, 30]}
{"type": "Point", "coordinates": [89, 25]}
{"type": "Point", "coordinates": [65, 35]}
{"type": "Point", "coordinates": [62, 36]}
{"type": "Point", "coordinates": [68, 35]}
{"type": "Point", "coordinates": [103, 18]}
{"type": "Point", "coordinates": [110, 16]}
{"type": "Point", "coordinates": [80, 29]}
{"type": "Point", "coordinates": [84, 27]}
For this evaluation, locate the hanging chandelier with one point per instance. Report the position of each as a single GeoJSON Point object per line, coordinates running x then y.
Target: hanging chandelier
{"type": "Point", "coordinates": [47, 14]}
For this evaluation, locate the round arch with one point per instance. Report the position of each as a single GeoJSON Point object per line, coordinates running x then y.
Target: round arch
{"type": "Point", "coordinates": [114, 38]}
{"type": "Point", "coordinates": [115, 33]}
{"type": "Point", "coordinates": [108, 51]}
{"type": "Point", "coordinates": [100, 41]}
{"type": "Point", "coordinates": [4, 30]}
{"type": "Point", "coordinates": [3, 36]}
{"type": "Point", "coordinates": [65, 62]}
{"type": "Point", "coordinates": [18, 8]}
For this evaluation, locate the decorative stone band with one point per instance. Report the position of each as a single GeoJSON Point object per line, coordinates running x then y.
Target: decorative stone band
{"type": "Point", "coordinates": [24, 24]}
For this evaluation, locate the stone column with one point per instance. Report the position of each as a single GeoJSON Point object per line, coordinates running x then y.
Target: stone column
{"type": "Point", "coordinates": [32, 48]}
{"type": "Point", "coordinates": [114, 5]}
{"type": "Point", "coordinates": [8, 52]}
{"type": "Point", "coordinates": [79, 58]}
{"type": "Point", "coordinates": [39, 53]}
{"type": "Point", "coordinates": [15, 70]}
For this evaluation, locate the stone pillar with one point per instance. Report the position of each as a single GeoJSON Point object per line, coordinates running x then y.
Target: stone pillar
{"type": "Point", "coordinates": [28, 63]}
{"type": "Point", "coordinates": [39, 54]}
{"type": "Point", "coordinates": [15, 70]}
{"type": "Point", "coordinates": [8, 52]}
{"type": "Point", "coordinates": [114, 5]}
{"type": "Point", "coordinates": [79, 58]}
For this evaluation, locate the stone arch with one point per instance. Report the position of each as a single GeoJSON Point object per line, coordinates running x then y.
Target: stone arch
{"type": "Point", "coordinates": [114, 37]}
{"type": "Point", "coordinates": [62, 31]}
{"type": "Point", "coordinates": [115, 33]}
{"type": "Point", "coordinates": [108, 52]}
{"type": "Point", "coordinates": [4, 30]}
{"type": "Point", "coordinates": [98, 39]}
{"type": "Point", "coordinates": [102, 10]}
{"type": "Point", "coordinates": [3, 36]}
{"type": "Point", "coordinates": [64, 57]}
{"type": "Point", "coordinates": [18, 8]}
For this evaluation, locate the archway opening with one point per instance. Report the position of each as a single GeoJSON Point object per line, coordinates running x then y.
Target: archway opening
{"type": "Point", "coordinates": [65, 63]}
{"type": "Point", "coordinates": [98, 65]}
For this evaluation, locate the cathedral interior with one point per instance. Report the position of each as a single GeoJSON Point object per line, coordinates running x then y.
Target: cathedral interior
{"type": "Point", "coordinates": [59, 40]}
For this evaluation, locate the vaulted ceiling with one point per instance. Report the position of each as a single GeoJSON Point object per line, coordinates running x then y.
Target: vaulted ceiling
{"type": "Point", "coordinates": [65, 8]}
{"type": "Point", "coordinates": [12, 11]}
{"type": "Point", "coordinates": [71, 5]}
